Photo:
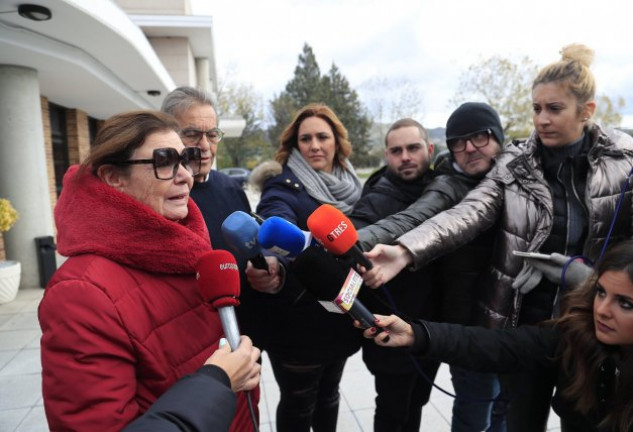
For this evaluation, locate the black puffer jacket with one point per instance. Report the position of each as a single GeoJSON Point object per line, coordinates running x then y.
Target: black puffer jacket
{"type": "Point", "coordinates": [447, 189]}
{"type": "Point", "coordinates": [516, 195]}
{"type": "Point", "coordinates": [384, 194]}
{"type": "Point", "coordinates": [459, 275]}
{"type": "Point", "coordinates": [533, 348]}
{"type": "Point", "coordinates": [410, 294]}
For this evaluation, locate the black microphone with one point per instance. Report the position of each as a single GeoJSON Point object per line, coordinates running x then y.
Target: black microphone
{"type": "Point", "coordinates": [335, 285]}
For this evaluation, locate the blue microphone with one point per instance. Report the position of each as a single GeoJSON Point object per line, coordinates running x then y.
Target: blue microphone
{"type": "Point", "coordinates": [240, 231]}
{"type": "Point", "coordinates": [283, 238]}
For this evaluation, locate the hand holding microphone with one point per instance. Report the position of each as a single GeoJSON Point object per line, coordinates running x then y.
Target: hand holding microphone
{"type": "Point", "coordinates": [240, 232]}
{"type": "Point", "coordinates": [240, 365]}
{"type": "Point", "coordinates": [268, 281]}
{"type": "Point", "coordinates": [219, 282]}
{"type": "Point", "coordinates": [389, 260]}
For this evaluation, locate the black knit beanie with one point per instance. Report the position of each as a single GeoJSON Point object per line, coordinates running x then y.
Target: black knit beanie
{"type": "Point", "coordinates": [473, 117]}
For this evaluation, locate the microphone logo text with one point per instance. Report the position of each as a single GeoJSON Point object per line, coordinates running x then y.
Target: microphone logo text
{"type": "Point", "coordinates": [336, 232]}
{"type": "Point", "coordinates": [228, 266]}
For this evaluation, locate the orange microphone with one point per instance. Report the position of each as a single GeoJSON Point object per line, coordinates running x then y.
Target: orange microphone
{"type": "Point", "coordinates": [336, 233]}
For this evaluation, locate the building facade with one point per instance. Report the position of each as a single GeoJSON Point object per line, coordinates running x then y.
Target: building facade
{"type": "Point", "coordinates": [67, 65]}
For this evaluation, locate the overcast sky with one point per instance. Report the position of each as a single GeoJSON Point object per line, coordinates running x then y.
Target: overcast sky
{"type": "Point", "coordinates": [428, 42]}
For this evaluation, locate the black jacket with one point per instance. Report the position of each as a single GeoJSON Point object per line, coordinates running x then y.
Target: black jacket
{"type": "Point", "coordinates": [410, 294]}
{"type": "Point", "coordinates": [200, 402]}
{"type": "Point", "coordinates": [533, 348]}
{"type": "Point", "coordinates": [302, 330]}
{"type": "Point", "coordinates": [217, 198]}
{"type": "Point", "coordinates": [460, 274]}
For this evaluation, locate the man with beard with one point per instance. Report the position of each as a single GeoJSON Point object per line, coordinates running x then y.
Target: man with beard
{"type": "Point", "coordinates": [451, 286]}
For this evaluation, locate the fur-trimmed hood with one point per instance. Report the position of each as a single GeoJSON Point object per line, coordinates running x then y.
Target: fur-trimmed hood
{"type": "Point", "coordinates": [264, 171]}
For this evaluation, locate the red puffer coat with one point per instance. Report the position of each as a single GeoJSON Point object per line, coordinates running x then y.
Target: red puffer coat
{"type": "Point", "coordinates": [122, 319]}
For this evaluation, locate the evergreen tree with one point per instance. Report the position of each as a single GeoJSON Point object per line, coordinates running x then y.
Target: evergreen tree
{"type": "Point", "coordinates": [345, 103]}
{"type": "Point", "coordinates": [308, 86]}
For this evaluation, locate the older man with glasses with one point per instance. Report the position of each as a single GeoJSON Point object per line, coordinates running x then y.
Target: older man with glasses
{"type": "Point", "coordinates": [216, 194]}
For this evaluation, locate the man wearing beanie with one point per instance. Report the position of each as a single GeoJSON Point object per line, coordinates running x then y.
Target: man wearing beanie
{"type": "Point", "coordinates": [474, 138]}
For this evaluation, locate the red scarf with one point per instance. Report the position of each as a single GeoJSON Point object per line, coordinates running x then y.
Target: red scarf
{"type": "Point", "coordinates": [95, 218]}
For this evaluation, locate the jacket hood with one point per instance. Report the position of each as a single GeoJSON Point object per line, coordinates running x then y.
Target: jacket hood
{"type": "Point", "coordinates": [264, 171]}
{"type": "Point", "coordinates": [95, 218]}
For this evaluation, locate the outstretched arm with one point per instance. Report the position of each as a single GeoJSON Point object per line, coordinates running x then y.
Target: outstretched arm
{"type": "Point", "coordinates": [387, 262]}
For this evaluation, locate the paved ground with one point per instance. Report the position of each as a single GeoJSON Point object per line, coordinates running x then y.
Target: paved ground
{"type": "Point", "coordinates": [21, 408]}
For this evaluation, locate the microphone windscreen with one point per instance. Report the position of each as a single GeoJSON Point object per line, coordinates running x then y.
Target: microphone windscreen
{"type": "Point", "coordinates": [281, 237]}
{"type": "Point", "coordinates": [240, 230]}
{"type": "Point", "coordinates": [320, 273]}
{"type": "Point", "coordinates": [218, 278]}
{"type": "Point", "coordinates": [332, 229]}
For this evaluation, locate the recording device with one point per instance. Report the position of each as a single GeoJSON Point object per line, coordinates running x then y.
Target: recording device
{"type": "Point", "coordinates": [219, 283]}
{"type": "Point", "coordinates": [282, 237]}
{"type": "Point", "coordinates": [336, 233]}
{"type": "Point", "coordinates": [535, 255]}
{"type": "Point", "coordinates": [240, 231]}
{"type": "Point", "coordinates": [334, 284]}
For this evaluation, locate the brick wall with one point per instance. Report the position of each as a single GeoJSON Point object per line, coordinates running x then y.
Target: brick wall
{"type": "Point", "coordinates": [48, 150]}
{"type": "Point", "coordinates": [78, 135]}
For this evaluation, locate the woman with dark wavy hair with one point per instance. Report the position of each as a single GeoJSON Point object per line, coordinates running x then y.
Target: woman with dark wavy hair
{"type": "Point", "coordinates": [589, 347]}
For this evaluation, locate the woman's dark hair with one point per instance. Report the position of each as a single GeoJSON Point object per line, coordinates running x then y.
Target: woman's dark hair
{"type": "Point", "coordinates": [582, 354]}
{"type": "Point", "coordinates": [290, 136]}
{"type": "Point", "coordinates": [123, 133]}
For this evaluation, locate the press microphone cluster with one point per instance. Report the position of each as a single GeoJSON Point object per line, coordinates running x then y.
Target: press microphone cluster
{"type": "Point", "coordinates": [240, 231]}
{"type": "Point", "coordinates": [333, 283]}
{"type": "Point", "coordinates": [283, 238]}
{"type": "Point", "coordinates": [219, 283]}
{"type": "Point", "coordinates": [336, 233]}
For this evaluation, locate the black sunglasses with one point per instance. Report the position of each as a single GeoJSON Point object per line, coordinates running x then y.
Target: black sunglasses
{"type": "Point", "coordinates": [478, 140]}
{"type": "Point", "coordinates": [166, 161]}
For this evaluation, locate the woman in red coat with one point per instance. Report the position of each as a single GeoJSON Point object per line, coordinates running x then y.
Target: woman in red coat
{"type": "Point", "coordinates": [122, 319]}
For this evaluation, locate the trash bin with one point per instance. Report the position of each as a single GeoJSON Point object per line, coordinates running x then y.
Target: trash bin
{"type": "Point", "coordinates": [47, 264]}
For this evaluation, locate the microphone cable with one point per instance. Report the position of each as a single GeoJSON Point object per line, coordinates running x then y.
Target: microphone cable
{"type": "Point", "coordinates": [251, 409]}
{"type": "Point", "coordinates": [419, 370]}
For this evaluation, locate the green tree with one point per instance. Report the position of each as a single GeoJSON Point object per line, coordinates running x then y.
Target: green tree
{"type": "Point", "coordinates": [504, 85]}
{"type": "Point", "coordinates": [345, 103]}
{"type": "Point", "coordinates": [309, 86]}
{"type": "Point", "coordinates": [507, 87]}
{"type": "Point", "coordinates": [607, 111]}
{"type": "Point", "coordinates": [306, 85]}
{"type": "Point", "coordinates": [389, 99]}
{"type": "Point", "coordinates": [241, 101]}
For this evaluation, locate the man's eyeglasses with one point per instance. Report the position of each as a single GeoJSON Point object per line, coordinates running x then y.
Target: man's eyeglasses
{"type": "Point", "coordinates": [478, 140]}
{"type": "Point", "coordinates": [193, 136]}
{"type": "Point", "coordinates": [167, 160]}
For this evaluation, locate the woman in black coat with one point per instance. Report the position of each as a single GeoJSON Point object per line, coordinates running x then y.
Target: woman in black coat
{"type": "Point", "coordinates": [308, 346]}
{"type": "Point", "coordinates": [589, 347]}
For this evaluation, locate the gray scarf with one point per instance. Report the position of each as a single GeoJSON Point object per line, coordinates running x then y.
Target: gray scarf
{"type": "Point", "coordinates": [341, 188]}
